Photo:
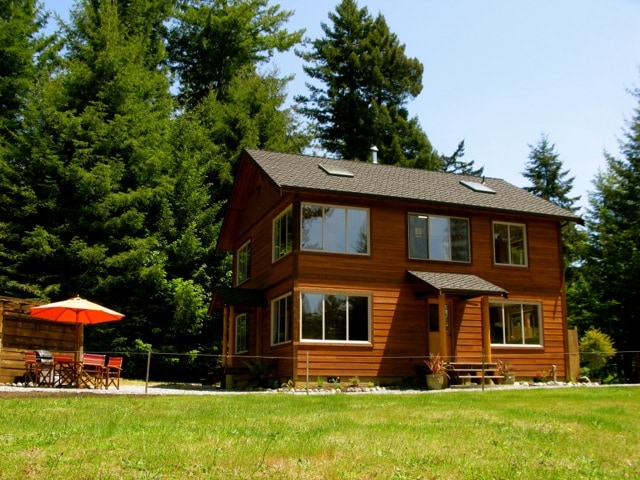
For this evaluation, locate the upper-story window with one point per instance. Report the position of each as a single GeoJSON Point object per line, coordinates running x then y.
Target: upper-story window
{"type": "Point", "coordinates": [327, 228]}
{"type": "Point", "coordinates": [515, 323]}
{"type": "Point", "coordinates": [281, 320]}
{"type": "Point", "coordinates": [243, 263]}
{"type": "Point", "coordinates": [509, 244]}
{"type": "Point", "coordinates": [432, 237]}
{"type": "Point", "coordinates": [335, 317]}
{"type": "Point", "coordinates": [283, 234]}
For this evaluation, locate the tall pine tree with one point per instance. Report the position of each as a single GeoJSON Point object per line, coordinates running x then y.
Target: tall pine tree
{"type": "Point", "coordinates": [613, 266]}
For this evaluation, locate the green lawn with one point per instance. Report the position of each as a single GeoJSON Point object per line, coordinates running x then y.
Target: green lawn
{"type": "Point", "coordinates": [574, 433]}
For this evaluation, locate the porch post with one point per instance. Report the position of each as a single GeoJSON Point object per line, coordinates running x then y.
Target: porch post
{"type": "Point", "coordinates": [442, 324]}
{"type": "Point", "coordinates": [486, 329]}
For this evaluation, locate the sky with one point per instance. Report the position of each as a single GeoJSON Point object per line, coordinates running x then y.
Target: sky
{"type": "Point", "coordinates": [499, 74]}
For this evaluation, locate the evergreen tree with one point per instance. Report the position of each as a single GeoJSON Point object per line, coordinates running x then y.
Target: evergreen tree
{"type": "Point", "coordinates": [613, 266]}
{"type": "Point", "coordinates": [24, 50]}
{"type": "Point", "coordinates": [544, 171]}
{"type": "Point", "coordinates": [212, 41]}
{"type": "Point", "coordinates": [364, 81]}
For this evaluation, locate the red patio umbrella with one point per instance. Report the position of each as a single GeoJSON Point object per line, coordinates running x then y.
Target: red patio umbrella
{"type": "Point", "coordinates": [75, 310]}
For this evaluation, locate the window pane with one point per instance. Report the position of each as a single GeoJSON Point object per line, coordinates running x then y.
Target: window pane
{"type": "Point", "coordinates": [531, 325]}
{"type": "Point", "coordinates": [312, 316]}
{"type": "Point", "coordinates": [357, 231]}
{"type": "Point", "coordinates": [516, 237]}
{"type": "Point", "coordinates": [282, 235]}
{"type": "Point", "coordinates": [241, 333]}
{"type": "Point", "coordinates": [281, 318]}
{"type": "Point", "coordinates": [244, 263]}
{"type": "Point", "coordinates": [514, 323]}
{"type": "Point", "coordinates": [459, 239]}
{"type": "Point", "coordinates": [358, 318]}
{"type": "Point", "coordinates": [335, 317]}
{"type": "Point", "coordinates": [311, 227]}
{"type": "Point", "coordinates": [417, 236]}
{"type": "Point", "coordinates": [335, 236]}
{"type": "Point", "coordinates": [439, 238]}
{"type": "Point", "coordinates": [497, 325]}
{"type": "Point", "coordinates": [501, 242]}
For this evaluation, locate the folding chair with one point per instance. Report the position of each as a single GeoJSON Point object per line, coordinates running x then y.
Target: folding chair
{"type": "Point", "coordinates": [31, 368]}
{"type": "Point", "coordinates": [112, 372]}
{"type": "Point", "coordinates": [93, 369]}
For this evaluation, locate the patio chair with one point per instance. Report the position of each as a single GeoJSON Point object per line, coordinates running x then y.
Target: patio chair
{"type": "Point", "coordinates": [93, 369]}
{"type": "Point", "coordinates": [112, 372]}
{"type": "Point", "coordinates": [31, 368]}
{"type": "Point", "coordinates": [65, 370]}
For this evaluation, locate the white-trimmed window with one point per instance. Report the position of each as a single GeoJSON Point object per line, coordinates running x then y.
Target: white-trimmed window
{"type": "Point", "coordinates": [281, 320]}
{"type": "Point", "coordinates": [515, 323]}
{"type": "Point", "coordinates": [509, 244]}
{"type": "Point", "coordinates": [327, 228]}
{"type": "Point", "coordinates": [433, 237]}
{"type": "Point", "coordinates": [242, 333]}
{"type": "Point", "coordinates": [283, 234]}
{"type": "Point", "coordinates": [335, 317]}
{"type": "Point", "coordinates": [243, 263]}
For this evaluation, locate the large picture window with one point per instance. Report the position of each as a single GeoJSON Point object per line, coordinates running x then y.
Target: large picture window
{"type": "Point", "coordinates": [335, 229]}
{"type": "Point", "coordinates": [515, 324]}
{"type": "Point", "coordinates": [335, 317]}
{"type": "Point", "coordinates": [509, 244]}
{"type": "Point", "coordinates": [283, 234]}
{"type": "Point", "coordinates": [243, 263]}
{"type": "Point", "coordinates": [242, 333]}
{"type": "Point", "coordinates": [281, 320]}
{"type": "Point", "coordinates": [432, 237]}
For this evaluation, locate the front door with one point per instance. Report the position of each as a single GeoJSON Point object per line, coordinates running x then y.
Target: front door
{"type": "Point", "coordinates": [434, 329]}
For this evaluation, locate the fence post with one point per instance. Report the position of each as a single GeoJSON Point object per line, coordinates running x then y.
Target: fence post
{"type": "Point", "coordinates": [146, 384]}
{"type": "Point", "coordinates": [307, 373]}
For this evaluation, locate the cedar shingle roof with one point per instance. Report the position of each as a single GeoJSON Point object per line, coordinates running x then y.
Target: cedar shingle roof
{"type": "Point", "coordinates": [301, 172]}
{"type": "Point", "coordinates": [459, 283]}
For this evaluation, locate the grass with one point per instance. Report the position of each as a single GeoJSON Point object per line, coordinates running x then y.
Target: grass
{"type": "Point", "coordinates": [579, 433]}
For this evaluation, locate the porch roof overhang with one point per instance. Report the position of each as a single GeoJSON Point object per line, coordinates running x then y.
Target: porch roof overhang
{"type": "Point", "coordinates": [465, 285]}
{"type": "Point", "coordinates": [237, 297]}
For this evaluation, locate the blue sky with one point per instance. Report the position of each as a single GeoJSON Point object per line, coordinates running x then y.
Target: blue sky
{"type": "Point", "coordinates": [500, 73]}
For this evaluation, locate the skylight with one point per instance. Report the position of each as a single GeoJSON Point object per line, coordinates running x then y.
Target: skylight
{"type": "Point", "coordinates": [477, 187]}
{"type": "Point", "coordinates": [336, 171]}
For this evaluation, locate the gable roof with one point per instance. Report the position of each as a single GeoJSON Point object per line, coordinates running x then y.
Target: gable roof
{"type": "Point", "coordinates": [308, 173]}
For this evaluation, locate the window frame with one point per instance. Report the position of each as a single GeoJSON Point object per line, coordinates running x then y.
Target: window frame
{"type": "Point", "coordinates": [510, 249]}
{"type": "Point", "coordinates": [336, 293]}
{"type": "Point", "coordinates": [324, 230]}
{"type": "Point", "coordinates": [278, 243]}
{"type": "Point", "coordinates": [507, 323]}
{"type": "Point", "coordinates": [426, 217]}
{"type": "Point", "coordinates": [243, 263]}
{"type": "Point", "coordinates": [244, 348]}
{"type": "Point", "coordinates": [275, 323]}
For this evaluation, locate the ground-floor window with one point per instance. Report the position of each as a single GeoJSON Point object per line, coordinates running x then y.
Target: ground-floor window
{"type": "Point", "coordinates": [281, 320]}
{"type": "Point", "coordinates": [242, 333]}
{"type": "Point", "coordinates": [335, 317]}
{"type": "Point", "coordinates": [515, 323]}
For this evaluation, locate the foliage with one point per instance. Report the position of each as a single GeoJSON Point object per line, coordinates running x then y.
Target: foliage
{"type": "Point", "coordinates": [261, 370]}
{"type": "Point", "coordinates": [612, 267]}
{"type": "Point", "coordinates": [212, 41]}
{"type": "Point", "coordinates": [596, 349]}
{"type": "Point", "coordinates": [436, 364]}
{"type": "Point", "coordinates": [504, 367]}
{"type": "Point", "coordinates": [366, 81]}
{"type": "Point", "coordinates": [562, 434]}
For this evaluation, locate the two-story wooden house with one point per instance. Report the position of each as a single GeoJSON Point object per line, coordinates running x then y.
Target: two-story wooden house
{"type": "Point", "coordinates": [354, 269]}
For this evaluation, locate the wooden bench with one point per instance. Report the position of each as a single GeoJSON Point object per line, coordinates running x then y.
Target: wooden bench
{"type": "Point", "coordinates": [468, 373]}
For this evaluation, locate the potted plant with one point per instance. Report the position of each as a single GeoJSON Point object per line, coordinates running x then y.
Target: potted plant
{"type": "Point", "coordinates": [505, 369]}
{"type": "Point", "coordinates": [437, 376]}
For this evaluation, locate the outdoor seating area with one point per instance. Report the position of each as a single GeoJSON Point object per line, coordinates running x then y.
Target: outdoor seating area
{"type": "Point", "coordinates": [58, 370]}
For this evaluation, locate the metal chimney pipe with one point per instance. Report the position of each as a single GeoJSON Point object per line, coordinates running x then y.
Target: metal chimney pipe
{"type": "Point", "coordinates": [374, 155]}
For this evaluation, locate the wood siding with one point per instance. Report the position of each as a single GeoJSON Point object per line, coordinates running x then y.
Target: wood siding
{"type": "Point", "coordinates": [399, 335]}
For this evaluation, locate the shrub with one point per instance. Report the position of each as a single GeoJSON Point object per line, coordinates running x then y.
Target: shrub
{"type": "Point", "coordinates": [596, 349]}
